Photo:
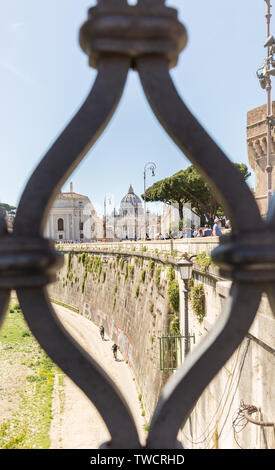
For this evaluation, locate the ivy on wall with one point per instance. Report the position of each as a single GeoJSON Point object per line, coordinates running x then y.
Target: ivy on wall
{"type": "Point", "coordinates": [204, 261]}
{"type": "Point", "coordinates": [157, 280]}
{"type": "Point", "coordinates": [197, 299]}
{"type": "Point", "coordinates": [174, 295]}
{"type": "Point", "coordinates": [175, 326]}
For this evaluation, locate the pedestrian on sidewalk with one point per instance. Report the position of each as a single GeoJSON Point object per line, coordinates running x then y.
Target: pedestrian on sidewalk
{"type": "Point", "coordinates": [114, 348]}
{"type": "Point", "coordinates": [102, 332]}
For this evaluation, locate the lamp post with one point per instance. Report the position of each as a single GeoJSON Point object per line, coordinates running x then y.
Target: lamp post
{"type": "Point", "coordinates": [148, 166]}
{"type": "Point", "coordinates": [185, 268]}
{"type": "Point", "coordinates": [105, 215]}
{"type": "Point", "coordinates": [264, 74]}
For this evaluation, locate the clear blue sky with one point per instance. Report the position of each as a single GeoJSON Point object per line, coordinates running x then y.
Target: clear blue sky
{"type": "Point", "coordinates": [44, 78]}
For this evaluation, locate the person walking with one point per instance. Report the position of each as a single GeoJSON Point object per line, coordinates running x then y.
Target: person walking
{"type": "Point", "coordinates": [196, 231]}
{"type": "Point", "coordinates": [101, 329]}
{"type": "Point", "coordinates": [217, 228]}
{"type": "Point", "coordinates": [228, 227]}
{"type": "Point", "coordinates": [207, 231]}
{"type": "Point", "coordinates": [114, 348]}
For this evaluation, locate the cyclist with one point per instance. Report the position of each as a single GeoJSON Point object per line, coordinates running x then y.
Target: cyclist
{"type": "Point", "coordinates": [102, 331]}
{"type": "Point", "coordinates": [114, 348]}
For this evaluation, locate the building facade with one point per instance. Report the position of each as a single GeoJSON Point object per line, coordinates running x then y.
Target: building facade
{"type": "Point", "coordinates": [73, 218]}
{"type": "Point", "coordinates": [257, 152]}
{"type": "Point", "coordinates": [170, 221]}
{"type": "Point", "coordinates": [128, 223]}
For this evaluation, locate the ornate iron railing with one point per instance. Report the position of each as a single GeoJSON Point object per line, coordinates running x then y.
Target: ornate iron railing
{"type": "Point", "coordinates": [148, 38]}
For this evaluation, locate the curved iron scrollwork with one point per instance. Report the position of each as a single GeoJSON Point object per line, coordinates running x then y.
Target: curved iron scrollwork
{"type": "Point", "coordinates": [148, 38]}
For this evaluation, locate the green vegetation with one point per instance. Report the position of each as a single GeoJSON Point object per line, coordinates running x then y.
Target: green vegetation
{"type": "Point", "coordinates": [126, 273]}
{"type": "Point", "coordinates": [188, 187]}
{"type": "Point", "coordinates": [171, 273]}
{"type": "Point", "coordinates": [131, 270]}
{"type": "Point", "coordinates": [7, 209]}
{"type": "Point", "coordinates": [174, 295]}
{"type": "Point", "coordinates": [83, 258]}
{"type": "Point", "coordinates": [27, 425]}
{"type": "Point", "coordinates": [84, 281]}
{"type": "Point", "coordinates": [143, 275]}
{"type": "Point", "coordinates": [151, 267]}
{"type": "Point", "coordinates": [70, 262]}
{"type": "Point", "coordinates": [174, 252]}
{"type": "Point", "coordinates": [175, 326]}
{"type": "Point", "coordinates": [204, 261]}
{"type": "Point", "coordinates": [157, 280]}
{"type": "Point", "coordinates": [137, 291]}
{"type": "Point", "coordinates": [121, 264]}
{"type": "Point", "coordinates": [197, 299]}
{"type": "Point", "coordinates": [75, 309]}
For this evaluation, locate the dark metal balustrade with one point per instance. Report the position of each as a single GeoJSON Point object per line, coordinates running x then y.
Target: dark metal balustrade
{"type": "Point", "coordinates": [148, 38]}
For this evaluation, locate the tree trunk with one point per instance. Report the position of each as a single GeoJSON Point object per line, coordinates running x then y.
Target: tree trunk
{"type": "Point", "coordinates": [180, 210]}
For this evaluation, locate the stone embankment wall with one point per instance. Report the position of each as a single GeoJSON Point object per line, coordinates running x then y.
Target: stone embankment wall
{"type": "Point", "coordinates": [126, 289]}
{"type": "Point", "coordinates": [248, 377]}
{"type": "Point", "coordinates": [127, 293]}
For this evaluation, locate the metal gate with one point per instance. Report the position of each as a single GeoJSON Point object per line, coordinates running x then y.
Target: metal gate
{"type": "Point", "coordinates": [171, 351]}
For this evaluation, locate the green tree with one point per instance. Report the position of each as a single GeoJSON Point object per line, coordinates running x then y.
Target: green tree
{"type": "Point", "coordinates": [7, 209]}
{"type": "Point", "coordinates": [188, 187]}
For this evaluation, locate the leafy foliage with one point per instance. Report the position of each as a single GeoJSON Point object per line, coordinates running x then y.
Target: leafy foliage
{"type": "Point", "coordinates": [174, 295]}
{"type": "Point", "coordinates": [28, 426]}
{"type": "Point", "coordinates": [175, 326]}
{"type": "Point", "coordinates": [197, 298]}
{"type": "Point", "coordinates": [151, 267]}
{"type": "Point", "coordinates": [203, 261]}
{"type": "Point", "coordinates": [7, 209]}
{"type": "Point", "coordinates": [188, 187]}
{"type": "Point", "coordinates": [143, 275]}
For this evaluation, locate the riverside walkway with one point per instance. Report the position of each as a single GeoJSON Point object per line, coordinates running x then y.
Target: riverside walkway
{"type": "Point", "coordinates": [76, 423]}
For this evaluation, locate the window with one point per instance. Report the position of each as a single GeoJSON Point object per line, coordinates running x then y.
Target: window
{"type": "Point", "coordinates": [81, 236]}
{"type": "Point", "coordinates": [60, 225]}
{"type": "Point", "coordinates": [80, 225]}
{"type": "Point", "coordinates": [60, 237]}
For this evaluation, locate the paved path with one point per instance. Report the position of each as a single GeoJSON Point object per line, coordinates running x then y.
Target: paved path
{"type": "Point", "coordinates": [76, 423]}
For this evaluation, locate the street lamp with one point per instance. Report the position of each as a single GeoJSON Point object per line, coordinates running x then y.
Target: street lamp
{"type": "Point", "coordinates": [264, 75]}
{"type": "Point", "coordinates": [148, 166]}
{"type": "Point", "coordinates": [109, 199]}
{"type": "Point", "coordinates": [185, 268]}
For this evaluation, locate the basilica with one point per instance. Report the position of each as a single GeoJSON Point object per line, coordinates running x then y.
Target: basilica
{"type": "Point", "coordinates": [73, 218]}
{"type": "Point", "coordinates": [129, 222]}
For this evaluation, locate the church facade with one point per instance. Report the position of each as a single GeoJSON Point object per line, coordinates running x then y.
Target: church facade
{"type": "Point", "coordinates": [73, 218]}
{"type": "Point", "coordinates": [128, 223]}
